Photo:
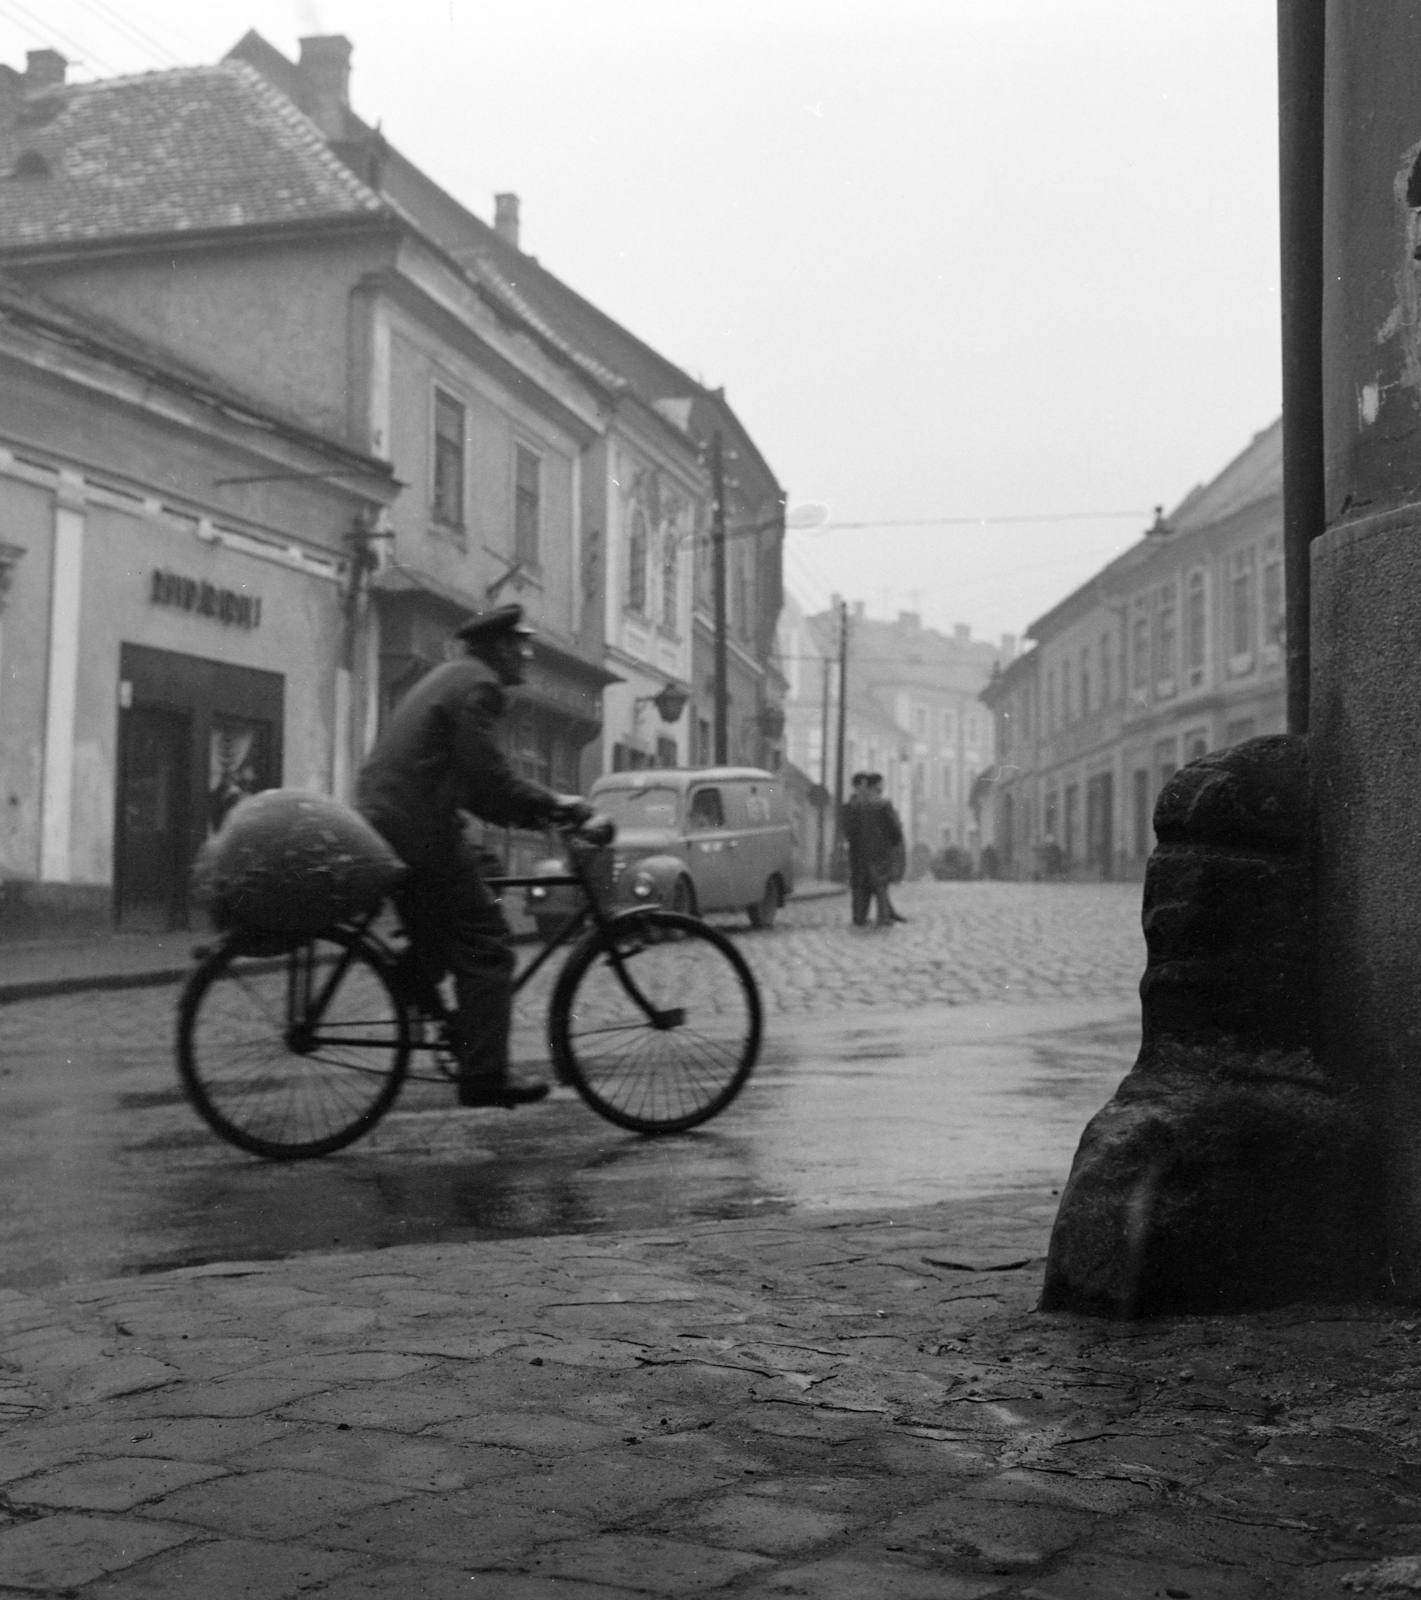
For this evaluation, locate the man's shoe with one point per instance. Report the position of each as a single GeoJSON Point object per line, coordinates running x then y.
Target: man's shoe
{"type": "Point", "coordinates": [494, 1092]}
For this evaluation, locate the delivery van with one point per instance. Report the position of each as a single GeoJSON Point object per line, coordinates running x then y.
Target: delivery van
{"type": "Point", "coordinates": [698, 840]}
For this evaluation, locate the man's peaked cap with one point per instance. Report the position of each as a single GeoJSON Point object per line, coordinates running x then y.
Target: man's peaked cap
{"type": "Point", "coordinates": [484, 627]}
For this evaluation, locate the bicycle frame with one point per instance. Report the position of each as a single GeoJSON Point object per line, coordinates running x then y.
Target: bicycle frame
{"type": "Point", "coordinates": [305, 1010]}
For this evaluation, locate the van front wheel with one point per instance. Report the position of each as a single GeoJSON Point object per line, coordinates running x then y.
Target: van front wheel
{"type": "Point", "coordinates": [764, 911]}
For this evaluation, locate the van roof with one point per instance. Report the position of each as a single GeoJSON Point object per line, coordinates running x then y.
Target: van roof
{"type": "Point", "coordinates": [679, 777]}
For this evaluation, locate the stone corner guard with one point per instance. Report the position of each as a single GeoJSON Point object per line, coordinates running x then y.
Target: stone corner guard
{"type": "Point", "coordinates": [1230, 1171]}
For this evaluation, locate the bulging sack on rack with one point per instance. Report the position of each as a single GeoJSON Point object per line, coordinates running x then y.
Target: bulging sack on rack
{"type": "Point", "coordinates": [293, 863]}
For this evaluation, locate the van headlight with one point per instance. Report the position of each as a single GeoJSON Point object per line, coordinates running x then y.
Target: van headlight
{"type": "Point", "coordinates": [643, 885]}
{"type": "Point", "coordinates": [535, 893]}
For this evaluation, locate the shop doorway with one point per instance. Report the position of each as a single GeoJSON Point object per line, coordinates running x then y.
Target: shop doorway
{"type": "Point", "coordinates": [195, 736]}
{"type": "Point", "coordinates": [152, 816]}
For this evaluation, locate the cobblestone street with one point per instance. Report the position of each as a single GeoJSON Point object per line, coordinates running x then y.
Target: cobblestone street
{"type": "Point", "coordinates": [955, 1053]}
{"type": "Point", "coordinates": [965, 942]}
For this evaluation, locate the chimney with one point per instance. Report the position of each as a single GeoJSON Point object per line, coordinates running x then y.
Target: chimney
{"type": "Point", "coordinates": [962, 633]}
{"type": "Point", "coordinates": [44, 69]}
{"type": "Point", "coordinates": [1008, 647]}
{"type": "Point", "coordinates": [909, 619]}
{"type": "Point", "coordinates": [858, 610]}
{"type": "Point", "coordinates": [505, 218]}
{"type": "Point", "coordinates": [323, 76]}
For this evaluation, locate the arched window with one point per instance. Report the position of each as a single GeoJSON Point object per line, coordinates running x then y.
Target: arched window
{"type": "Point", "coordinates": [670, 580]}
{"type": "Point", "coordinates": [636, 563]}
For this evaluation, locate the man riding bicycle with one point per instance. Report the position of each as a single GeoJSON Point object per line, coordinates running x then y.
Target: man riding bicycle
{"type": "Point", "coordinates": [437, 758]}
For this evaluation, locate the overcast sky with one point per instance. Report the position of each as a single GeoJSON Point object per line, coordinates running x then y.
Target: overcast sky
{"type": "Point", "coordinates": [949, 258]}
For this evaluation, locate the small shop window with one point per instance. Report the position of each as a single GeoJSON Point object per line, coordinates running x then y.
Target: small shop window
{"type": "Point", "coordinates": [527, 505]}
{"type": "Point", "coordinates": [448, 490]}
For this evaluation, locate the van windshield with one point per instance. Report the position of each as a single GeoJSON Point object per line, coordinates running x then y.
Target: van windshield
{"type": "Point", "coordinates": [653, 807]}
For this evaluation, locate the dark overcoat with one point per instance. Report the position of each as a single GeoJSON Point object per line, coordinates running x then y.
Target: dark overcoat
{"type": "Point", "coordinates": [439, 755]}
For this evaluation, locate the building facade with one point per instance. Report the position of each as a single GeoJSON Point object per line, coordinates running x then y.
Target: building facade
{"type": "Point", "coordinates": [182, 594]}
{"type": "Point", "coordinates": [241, 220]}
{"type": "Point", "coordinates": [1172, 651]}
{"type": "Point", "coordinates": [913, 714]}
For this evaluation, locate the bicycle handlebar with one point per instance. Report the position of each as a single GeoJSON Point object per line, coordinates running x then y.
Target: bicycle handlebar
{"type": "Point", "coordinates": [597, 831]}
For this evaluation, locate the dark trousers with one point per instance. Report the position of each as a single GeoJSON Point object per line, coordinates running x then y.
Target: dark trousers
{"type": "Point", "coordinates": [456, 926]}
{"type": "Point", "coordinates": [868, 881]}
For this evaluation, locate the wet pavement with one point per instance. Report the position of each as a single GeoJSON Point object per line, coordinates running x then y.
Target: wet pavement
{"type": "Point", "coordinates": [105, 1169]}
{"type": "Point", "coordinates": [749, 1362]}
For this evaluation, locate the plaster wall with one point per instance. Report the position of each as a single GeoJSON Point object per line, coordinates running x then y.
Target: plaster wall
{"type": "Point", "coordinates": [26, 520]}
{"type": "Point", "coordinates": [496, 422]}
{"type": "Point", "coordinates": [272, 320]}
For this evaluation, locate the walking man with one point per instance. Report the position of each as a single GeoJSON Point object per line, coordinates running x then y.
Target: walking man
{"type": "Point", "coordinates": [872, 834]}
{"type": "Point", "coordinates": [437, 758]}
{"type": "Point", "coordinates": [891, 832]}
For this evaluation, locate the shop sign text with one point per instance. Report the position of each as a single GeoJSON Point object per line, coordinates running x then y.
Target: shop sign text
{"type": "Point", "coordinates": [206, 599]}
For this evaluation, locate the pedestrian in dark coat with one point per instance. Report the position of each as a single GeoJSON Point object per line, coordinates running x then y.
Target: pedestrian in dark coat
{"type": "Point", "coordinates": [438, 757]}
{"type": "Point", "coordinates": [891, 832]}
{"type": "Point", "coordinates": [872, 833]}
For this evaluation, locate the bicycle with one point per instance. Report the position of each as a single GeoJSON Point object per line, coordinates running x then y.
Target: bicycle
{"type": "Point", "coordinates": [655, 1020]}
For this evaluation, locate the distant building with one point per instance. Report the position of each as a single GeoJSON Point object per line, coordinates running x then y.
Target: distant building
{"type": "Point", "coordinates": [1172, 650]}
{"type": "Point", "coordinates": [914, 714]}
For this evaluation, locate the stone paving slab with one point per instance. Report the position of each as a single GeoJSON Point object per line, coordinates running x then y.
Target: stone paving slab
{"type": "Point", "coordinates": [838, 1407]}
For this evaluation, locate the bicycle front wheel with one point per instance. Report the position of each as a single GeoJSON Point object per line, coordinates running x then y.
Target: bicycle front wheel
{"type": "Point", "coordinates": [656, 1023]}
{"type": "Point", "coordinates": [293, 1056]}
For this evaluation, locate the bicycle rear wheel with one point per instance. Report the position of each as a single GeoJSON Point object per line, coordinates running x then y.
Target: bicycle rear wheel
{"type": "Point", "coordinates": [297, 1055]}
{"type": "Point", "coordinates": [679, 1067]}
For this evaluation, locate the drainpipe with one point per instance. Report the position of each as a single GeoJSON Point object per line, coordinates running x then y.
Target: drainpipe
{"type": "Point", "coordinates": [1301, 61]}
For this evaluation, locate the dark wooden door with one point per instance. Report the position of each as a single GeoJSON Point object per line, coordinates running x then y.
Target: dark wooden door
{"type": "Point", "coordinates": [153, 817]}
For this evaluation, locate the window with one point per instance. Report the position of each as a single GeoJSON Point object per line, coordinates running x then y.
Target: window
{"type": "Point", "coordinates": [1241, 611]}
{"type": "Point", "coordinates": [1085, 681]}
{"type": "Point", "coordinates": [1067, 699]}
{"type": "Point", "coordinates": [1050, 701]}
{"type": "Point", "coordinates": [1140, 660]}
{"type": "Point", "coordinates": [1237, 732]}
{"type": "Point", "coordinates": [665, 751]}
{"type": "Point", "coordinates": [1107, 692]}
{"type": "Point", "coordinates": [636, 563]}
{"type": "Point", "coordinates": [1274, 618]}
{"type": "Point", "coordinates": [448, 493]}
{"type": "Point", "coordinates": [706, 811]}
{"type": "Point", "coordinates": [1142, 813]}
{"type": "Point", "coordinates": [974, 730]}
{"type": "Point", "coordinates": [1195, 615]}
{"type": "Point", "coordinates": [920, 721]}
{"type": "Point", "coordinates": [527, 505]}
{"type": "Point", "coordinates": [1166, 763]}
{"type": "Point", "coordinates": [670, 581]}
{"type": "Point", "coordinates": [946, 776]}
{"type": "Point", "coordinates": [949, 727]}
{"type": "Point", "coordinates": [1166, 640]}
{"type": "Point", "coordinates": [1196, 744]}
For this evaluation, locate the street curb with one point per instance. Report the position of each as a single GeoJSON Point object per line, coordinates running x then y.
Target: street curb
{"type": "Point", "coordinates": [80, 983]}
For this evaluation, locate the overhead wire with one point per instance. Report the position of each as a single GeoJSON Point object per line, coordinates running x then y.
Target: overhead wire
{"type": "Point", "coordinates": [44, 33]}
{"type": "Point", "coordinates": [977, 522]}
{"type": "Point", "coordinates": [127, 28]}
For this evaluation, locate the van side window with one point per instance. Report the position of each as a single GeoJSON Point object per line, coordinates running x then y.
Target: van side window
{"type": "Point", "coordinates": [706, 811]}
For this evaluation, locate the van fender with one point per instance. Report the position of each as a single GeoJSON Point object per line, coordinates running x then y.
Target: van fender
{"type": "Point", "coordinates": [663, 871]}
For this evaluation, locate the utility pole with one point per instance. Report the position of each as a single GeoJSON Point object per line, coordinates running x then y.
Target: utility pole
{"type": "Point", "coordinates": [843, 722]}
{"type": "Point", "coordinates": [722, 690]}
{"type": "Point", "coordinates": [823, 769]}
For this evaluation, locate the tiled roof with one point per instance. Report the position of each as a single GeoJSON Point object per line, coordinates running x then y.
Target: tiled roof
{"type": "Point", "coordinates": [487, 273]}
{"type": "Point", "coordinates": [196, 148]}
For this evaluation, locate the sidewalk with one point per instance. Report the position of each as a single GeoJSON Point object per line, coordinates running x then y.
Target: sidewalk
{"type": "Point", "coordinates": [30, 969]}
{"type": "Point", "coordinates": [834, 1407]}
